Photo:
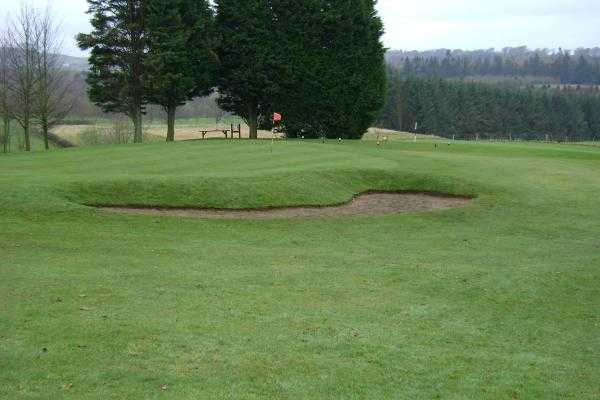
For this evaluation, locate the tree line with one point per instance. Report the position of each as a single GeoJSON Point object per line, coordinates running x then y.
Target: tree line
{"type": "Point", "coordinates": [34, 88]}
{"type": "Point", "coordinates": [565, 67]}
{"type": "Point", "coordinates": [462, 109]}
{"type": "Point", "coordinates": [318, 62]}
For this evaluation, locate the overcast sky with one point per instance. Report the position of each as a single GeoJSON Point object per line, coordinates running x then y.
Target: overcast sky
{"type": "Point", "coordinates": [430, 24]}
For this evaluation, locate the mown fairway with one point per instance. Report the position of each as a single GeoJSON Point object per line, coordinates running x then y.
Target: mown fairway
{"type": "Point", "coordinates": [496, 300]}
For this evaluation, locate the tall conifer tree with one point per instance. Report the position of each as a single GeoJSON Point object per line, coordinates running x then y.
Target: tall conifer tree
{"type": "Point", "coordinates": [333, 80]}
{"type": "Point", "coordinates": [118, 45]}
{"type": "Point", "coordinates": [246, 54]}
{"type": "Point", "coordinates": [181, 62]}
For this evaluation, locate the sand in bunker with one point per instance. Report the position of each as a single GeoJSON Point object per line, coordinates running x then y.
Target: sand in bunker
{"type": "Point", "coordinates": [364, 204]}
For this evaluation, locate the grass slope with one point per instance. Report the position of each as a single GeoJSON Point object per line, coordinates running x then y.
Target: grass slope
{"type": "Point", "coordinates": [496, 300]}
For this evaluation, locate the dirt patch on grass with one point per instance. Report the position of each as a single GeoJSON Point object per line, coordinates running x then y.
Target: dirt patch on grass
{"type": "Point", "coordinates": [372, 203]}
{"type": "Point", "coordinates": [380, 133]}
{"type": "Point", "coordinates": [72, 132]}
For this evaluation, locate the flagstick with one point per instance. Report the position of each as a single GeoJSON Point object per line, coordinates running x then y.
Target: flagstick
{"type": "Point", "coordinates": [272, 140]}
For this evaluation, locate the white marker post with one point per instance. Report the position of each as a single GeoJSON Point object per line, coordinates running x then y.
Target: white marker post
{"type": "Point", "coordinates": [416, 128]}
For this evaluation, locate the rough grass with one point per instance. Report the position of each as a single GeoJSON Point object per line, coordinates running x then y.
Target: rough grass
{"type": "Point", "coordinates": [17, 140]}
{"type": "Point", "coordinates": [496, 300]}
{"type": "Point", "coordinates": [189, 128]}
{"type": "Point", "coordinates": [384, 135]}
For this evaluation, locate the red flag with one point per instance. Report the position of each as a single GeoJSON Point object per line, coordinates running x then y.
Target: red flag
{"type": "Point", "coordinates": [276, 117]}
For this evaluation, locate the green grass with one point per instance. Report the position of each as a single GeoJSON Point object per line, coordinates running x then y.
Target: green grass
{"type": "Point", "coordinates": [496, 300]}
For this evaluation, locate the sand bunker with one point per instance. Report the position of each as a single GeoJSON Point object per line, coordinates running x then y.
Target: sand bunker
{"type": "Point", "coordinates": [364, 204]}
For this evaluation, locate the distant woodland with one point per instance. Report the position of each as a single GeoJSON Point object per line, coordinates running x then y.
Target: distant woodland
{"type": "Point", "coordinates": [579, 67]}
{"type": "Point", "coordinates": [470, 110]}
{"type": "Point", "coordinates": [515, 93]}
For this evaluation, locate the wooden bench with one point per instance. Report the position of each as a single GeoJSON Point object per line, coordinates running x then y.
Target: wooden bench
{"type": "Point", "coordinates": [224, 132]}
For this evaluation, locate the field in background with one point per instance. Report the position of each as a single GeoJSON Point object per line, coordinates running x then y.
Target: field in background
{"type": "Point", "coordinates": [496, 300]}
{"type": "Point", "coordinates": [386, 134]}
{"type": "Point", "coordinates": [101, 131]}
{"type": "Point", "coordinates": [119, 131]}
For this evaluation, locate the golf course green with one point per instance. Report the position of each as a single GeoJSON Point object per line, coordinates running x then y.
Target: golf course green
{"type": "Point", "coordinates": [496, 299]}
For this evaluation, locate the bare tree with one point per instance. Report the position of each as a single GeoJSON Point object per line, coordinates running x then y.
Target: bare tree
{"type": "Point", "coordinates": [53, 100]}
{"type": "Point", "coordinates": [5, 104]}
{"type": "Point", "coordinates": [23, 42]}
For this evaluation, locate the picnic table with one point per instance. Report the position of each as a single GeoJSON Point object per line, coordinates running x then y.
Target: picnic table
{"type": "Point", "coordinates": [225, 132]}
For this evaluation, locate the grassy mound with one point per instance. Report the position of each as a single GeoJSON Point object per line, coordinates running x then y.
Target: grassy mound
{"type": "Point", "coordinates": [498, 299]}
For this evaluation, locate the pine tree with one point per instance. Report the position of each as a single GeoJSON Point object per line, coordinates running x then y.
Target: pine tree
{"type": "Point", "coordinates": [391, 115]}
{"type": "Point", "coordinates": [118, 46]}
{"type": "Point", "coordinates": [591, 110]}
{"type": "Point", "coordinates": [181, 63]}
{"type": "Point", "coordinates": [468, 109]}
{"type": "Point", "coordinates": [427, 114]}
{"type": "Point", "coordinates": [334, 79]}
{"type": "Point", "coordinates": [246, 54]}
{"type": "Point", "coordinates": [297, 89]}
{"type": "Point", "coordinates": [408, 68]}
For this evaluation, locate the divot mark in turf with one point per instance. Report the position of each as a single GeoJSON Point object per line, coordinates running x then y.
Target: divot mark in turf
{"type": "Point", "coordinates": [372, 203]}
